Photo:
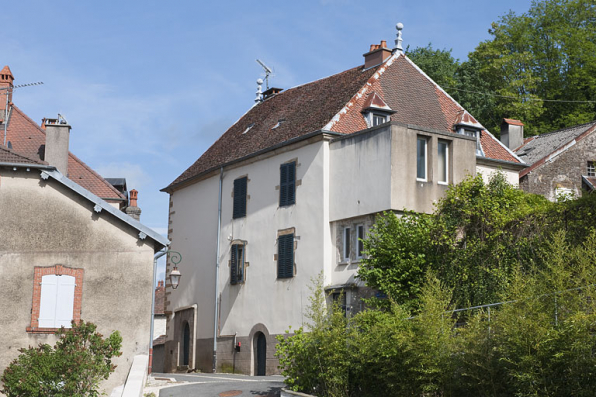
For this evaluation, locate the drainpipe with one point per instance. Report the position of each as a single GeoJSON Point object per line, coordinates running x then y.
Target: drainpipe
{"type": "Point", "coordinates": [155, 258]}
{"type": "Point", "coordinates": [217, 274]}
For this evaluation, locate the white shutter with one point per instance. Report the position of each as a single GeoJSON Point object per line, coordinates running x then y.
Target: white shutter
{"type": "Point", "coordinates": [47, 303]}
{"type": "Point", "coordinates": [65, 301]}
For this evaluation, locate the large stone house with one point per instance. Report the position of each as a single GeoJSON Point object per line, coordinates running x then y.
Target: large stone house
{"type": "Point", "coordinates": [288, 191]}
{"type": "Point", "coordinates": [561, 162]}
{"type": "Point", "coordinates": [68, 251]}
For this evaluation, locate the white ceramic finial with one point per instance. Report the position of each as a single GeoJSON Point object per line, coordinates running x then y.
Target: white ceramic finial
{"type": "Point", "coordinates": [398, 40]}
{"type": "Point", "coordinates": [259, 97]}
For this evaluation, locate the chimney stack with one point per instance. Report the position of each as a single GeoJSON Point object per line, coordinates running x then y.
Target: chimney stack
{"type": "Point", "coordinates": [512, 133]}
{"type": "Point", "coordinates": [378, 54]}
{"type": "Point", "coordinates": [133, 210]}
{"type": "Point", "coordinates": [57, 137]}
{"type": "Point", "coordinates": [6, 85]}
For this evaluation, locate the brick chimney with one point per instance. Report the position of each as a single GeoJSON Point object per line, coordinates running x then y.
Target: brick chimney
{"type": "Point", "coordinates": [133, 210]}
{"type": "Point", "coordinates": [57, 137]}
{"type": "Point", "coordinates": [378, 54]}
{"type": "Point", "coordinates": [6, 84]}
{"type": "Point", "coordinates": [512, 133]}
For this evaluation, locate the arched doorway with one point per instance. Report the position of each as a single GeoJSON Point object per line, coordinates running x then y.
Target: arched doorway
{"type": "Point", "coordinates": [260, 354]}
{"type": "Point", "coordinates": [185, 344]}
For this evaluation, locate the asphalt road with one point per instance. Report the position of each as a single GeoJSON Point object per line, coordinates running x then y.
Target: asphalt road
{"type": "Point", "coordinates": [222, 385]}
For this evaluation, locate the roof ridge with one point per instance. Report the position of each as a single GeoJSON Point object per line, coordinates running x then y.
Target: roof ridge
{"type": "Point", "coordinates": [70, 154]}
{"type": "Point", "coordinates": [565, 129]}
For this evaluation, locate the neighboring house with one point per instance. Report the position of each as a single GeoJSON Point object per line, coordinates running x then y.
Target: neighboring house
{"type": "Point", "coordinates": [159, 328]}
{"type": "Point", "coordinates": [286, 193]}
{"type": "Point", "coordinates": [561, 162]}
{"type": "Point", "coordinates": [67, 252]}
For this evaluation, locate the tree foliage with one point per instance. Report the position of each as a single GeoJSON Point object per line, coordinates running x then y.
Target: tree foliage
{"type": "Point", "coordinates": [538, 67]}
{"type": "Point", "coordinates": [74, 367]}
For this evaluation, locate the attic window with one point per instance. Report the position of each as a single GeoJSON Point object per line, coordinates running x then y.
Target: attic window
{"type": "Point", "coordinates": [279, 122]}
{"type": "Point", "coordinates": [591, 168]}
{"type": "Point", "coordinates": [249, 127]}
{"type": "Point", "coordinates": [475, 134]}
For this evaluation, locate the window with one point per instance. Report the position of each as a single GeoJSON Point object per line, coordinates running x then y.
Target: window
{"type": "Point", "coordinates": [421, 159]}
{"type": "Point", "coordinates": [360, 242]}
{"type": "Point", "coordinates": [285, 256]}
{"type": "Point", "coordinates": [57, 296]}
{"type": "Point", "coordinates": [237, 264]}
{"type": "Point", "coordinates": [347, 248]}
{"type": "Point", "coordinates": [378, 119]}
{"type": "Point", "coordinates": [443, 162]}
{"type": "Point", "coordinates": [591, 168]}
{"type": "Point", "coordinates": [338, 299]}
{"type": "Point", "coordinates": [474, 134]}
{"type": "Point", "coordinates": [239, 210]}
{"type": "Point", "coordinates": [287, 184]}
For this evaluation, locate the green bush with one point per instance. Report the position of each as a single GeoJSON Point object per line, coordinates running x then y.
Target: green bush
{"type": "Point", "coordinates": [74, 367]}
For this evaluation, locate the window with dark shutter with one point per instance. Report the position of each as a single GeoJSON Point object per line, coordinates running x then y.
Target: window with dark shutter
{"type": "Point", "coordinates": [237, 264]}
{"type": "Point", "coordinates": [287, 184]}
{"type": "Point", "coordinates": [239, 198]}
{"type": "Point", "coordinates": [285, 256]}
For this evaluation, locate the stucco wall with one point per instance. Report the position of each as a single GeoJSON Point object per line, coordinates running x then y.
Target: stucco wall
{"type": "Point", "coordinates": [262, 298]}
{"type": "Point", "coordinates": [44, 224]}
{"type": "Point", "coordinates": [563, 171]}
{"type": "Point", "coordinates": [487, 171]}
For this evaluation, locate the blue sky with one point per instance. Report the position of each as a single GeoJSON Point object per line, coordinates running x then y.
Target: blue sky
{"type": "Point", "coordinates": [148, 85]}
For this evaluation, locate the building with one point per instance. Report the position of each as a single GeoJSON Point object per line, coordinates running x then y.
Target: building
{"type": "Point", "coordinates": [560, 163]}
{"type": "Point", "coordinates": [286, 193]}
{"type": "Point", "coordinates": [68, 250]}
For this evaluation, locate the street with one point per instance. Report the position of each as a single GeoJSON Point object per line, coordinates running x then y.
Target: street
{"type": "Point", "coordinates": [220, 385]}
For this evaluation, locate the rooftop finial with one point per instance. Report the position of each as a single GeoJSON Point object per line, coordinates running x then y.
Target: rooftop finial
{"type": "Point", "coordinates": [259, 97]}
{"type": "Point", "coordinates": [398, 40]}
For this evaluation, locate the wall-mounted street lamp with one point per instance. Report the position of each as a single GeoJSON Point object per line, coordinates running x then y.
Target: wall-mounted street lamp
{"type": "Point", "coordinates": [175, 257]}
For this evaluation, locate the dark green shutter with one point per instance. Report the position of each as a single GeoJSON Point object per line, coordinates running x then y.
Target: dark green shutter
{"type": "Point", "coordinates": [287, 184]}
{"type": "Point", "coordinates": [239, 210]}
{"type": "Point", "coordinates": [285, 256]}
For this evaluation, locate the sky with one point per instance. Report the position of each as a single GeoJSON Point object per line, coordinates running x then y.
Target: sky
{"type": "Point", "coordinates": [148, 86]}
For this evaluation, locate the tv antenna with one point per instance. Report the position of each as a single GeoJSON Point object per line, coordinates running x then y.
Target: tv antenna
{"type": "Point", "coordinates": [8, 90]}
{"type": "Point", "coordinates": [267, 70]}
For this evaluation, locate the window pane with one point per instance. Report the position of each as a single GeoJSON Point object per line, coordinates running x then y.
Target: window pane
{"type": "Point", "coordinates": [442, 161]}
{"type": "Point", "coordinates": [360, 242]}
{"type": "Point", "coordinates": [421, 159]}
{"type": "Point", "coordinates": [347, 235]}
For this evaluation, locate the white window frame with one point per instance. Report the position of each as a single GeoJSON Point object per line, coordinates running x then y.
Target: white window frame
{"type": "Point", "coordinates": [360, 230]}
{"type": "Point", "coordinates": [591, 170]}
{"type": "Point", "coordinates": [444, 143]}
{"type": "Point", "coordinates": [346, 239]}
{"type": "Point", "coordinates": [425, 140]}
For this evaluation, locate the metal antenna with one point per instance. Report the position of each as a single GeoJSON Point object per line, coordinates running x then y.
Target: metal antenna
{"type": "Point", "coordinates": [267, 70]}
{"type": "Point", "coordinates": [8, 89]}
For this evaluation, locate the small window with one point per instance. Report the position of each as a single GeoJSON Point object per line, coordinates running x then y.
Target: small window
{"type": "Point", "coordinates": [360, 242]}
{"type": "Point", "coordinates": [591, 168]}
{"type": "Point", "coordinates": [421, 161]}
{"type": "Point", "coordinates": [239, 210]}
{"type": "Point", "coordinates": [237, 264]}
{"type": "Point", "coordinates": [338, 299]}
{"type": "Point", "coordinates": [285, 256]}
{"type": "Point", "coordinates": [378, 119]}
{"type": "Point", "coordinates": [347, 239]}
{"type": "Point", "coordinates": [474, 134]}
{"type": "Point", "coordinates": [443, 157]}
{"type": "Point", "coordinates": [287, 184]}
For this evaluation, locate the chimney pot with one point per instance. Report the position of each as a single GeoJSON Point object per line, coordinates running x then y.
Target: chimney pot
{"type": "Point", "coordinates": [384, 43]}
{"type": "Point", "coordinates": [134, 194]}
{"type": "Point", "coordinates": [378, 54]}
{"type": "Point", "coordinates": [133, 210]}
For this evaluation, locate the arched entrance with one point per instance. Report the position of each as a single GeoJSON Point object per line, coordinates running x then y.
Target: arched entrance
{"type": "Point", "coordinates": [185, 344]}
{"type": "Point", "coordinates": [260, 354]}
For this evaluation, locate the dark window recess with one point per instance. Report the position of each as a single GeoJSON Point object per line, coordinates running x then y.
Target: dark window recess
{"type": "Point", "coordinates": [287, 184]}
{"type": "Point", "coordinates": [239, 198]}
{"type": "Point", "coordinates": [237, 264]}
{"type": "Point", "coordinates": [285, 256]}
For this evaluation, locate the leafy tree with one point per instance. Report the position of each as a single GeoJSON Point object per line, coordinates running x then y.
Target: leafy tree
{"type": "Point", "coordinates": [439, 65]}
{"type": "Point", "coordinates": [74, 367]}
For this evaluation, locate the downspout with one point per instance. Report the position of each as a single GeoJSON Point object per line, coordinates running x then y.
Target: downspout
{"type": "Point", "coordinates": [215, 316]}
{"type": "Point", "coordinates": [155, 258]}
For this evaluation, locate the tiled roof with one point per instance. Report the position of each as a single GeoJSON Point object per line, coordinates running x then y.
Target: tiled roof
{"type": "Point", "coordinates": [535, 150]}
{"type": "Point", "coordinates": [28, 138]}
{"type": "Point", "coordinates": [590, 182]}
{"type": "Point", "coordinates": [9, 156]}
{"type": "Point", "coordinates": [335, 103]}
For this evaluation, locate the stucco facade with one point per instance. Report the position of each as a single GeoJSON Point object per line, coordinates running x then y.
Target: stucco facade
{"type": "Point", "coordinates": [48, 227]}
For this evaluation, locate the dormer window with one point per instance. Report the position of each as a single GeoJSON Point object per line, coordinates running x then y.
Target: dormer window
{"type": "Point", "coordinates": [376, 111]}
{"type": "Point", "coordinates": [472, 132]}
